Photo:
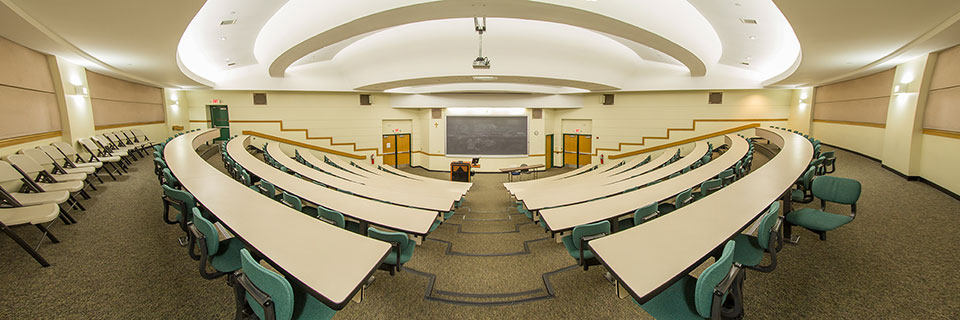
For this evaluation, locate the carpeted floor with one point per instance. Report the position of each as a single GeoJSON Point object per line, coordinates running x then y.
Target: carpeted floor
{"type": "Point", "coordinates": [896, 260]}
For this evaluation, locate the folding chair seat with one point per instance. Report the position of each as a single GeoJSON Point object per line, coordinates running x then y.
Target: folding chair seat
{"type": "Point", "coordinates": [36, 215]}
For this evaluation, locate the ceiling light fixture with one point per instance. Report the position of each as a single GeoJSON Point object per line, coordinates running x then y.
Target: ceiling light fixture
{"type": "Point", "coordinates": [228, 22]}
{"type": "Point", "coordinates": [745, 63]}
{"type": "Point", "coordinates": [484, 78]}
{"type": "Point", "coordinates": [748, 21]}
{"type": "Point", "coordinates": [480, 26]}
{"type": "Point", "coordinates": [223, 38]}
{"type": "Point", "coordinates": [753, 37]}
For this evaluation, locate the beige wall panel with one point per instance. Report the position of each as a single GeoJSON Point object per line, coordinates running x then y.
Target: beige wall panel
{"type": "Point", "coordinates": [109, 112]}
{"type": "Point", "coordinates": [943, 109]}
{"type": "Point", "coordinates": [27, 112]}
{"type": "Point", "coordinates": [105, 87]}
{"type": "Point", "coordinates": [22, 67]}
{"type": "Point", "coordinates": [947, 71]}
{"type": "Point", "coordinates": [872, 86]}
{"type": "Point", "coordinates": [872, 110]}
{"type": "Point", "coordinates": [938, 161]}
{"type": "Point", "coordinates": [866, 140]}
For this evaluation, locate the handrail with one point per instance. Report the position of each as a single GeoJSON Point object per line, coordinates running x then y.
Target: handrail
{"type": "Point", "coordinates": [684, 141]}
{"type": "Point", "coordinates": [303, 145]}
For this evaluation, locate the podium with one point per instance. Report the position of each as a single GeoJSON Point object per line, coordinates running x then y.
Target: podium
{"type": "Point", "coordinates": [460, 171]}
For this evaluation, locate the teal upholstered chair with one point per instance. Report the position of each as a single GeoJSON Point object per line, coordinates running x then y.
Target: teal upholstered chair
{"type": "Point", "coordinates": [523, 210]}
{"type": "Point", "coordinates": [185, 203]}
{"type": "Point", "coordinates": [699, 298]}
{"type": "Point", "coordinates": [750, 249]}
{"type": "Point", "coordinates": [727, 177]}
{"type": "Point", "coordinates": [827, 189]}
{"type": "Point", "coordinates": [645, 161]}
{"type": "Point", "coordinates": [400, 252]}
{"type": "Point", "coordinates": [437, 223]}
{"type": "Point", "coordinates": [674, 175]}
{"type": "Point", "coordinates": [680, 200]}
{"type": "Point", "coordinates": [803, 193]}
{"type": "Point", "coordinates": [641, 215]}
{"type": "Point", "coordinates": [268, 189]}
{"type": "Point", "coordinates": [224, 256]}
{"type": "Point", "coordinates": [269, 295]}
{"type": "Point", "coordinates": [158, 166]}
{"type": "Point", "coordinates": [708, 187]}
{"type": "Point", "coordinates": [459, 203]}
{"type": "Point", "coordinates": [829, 163]}
{"type": "Point", "coordinates": [295, 203]}
{"type": "Point", "coordinates": [576, 242]}
{"type": "Point", "coordinates": [245, 178]}
{"type": "Point", "coordinates": [337, 219]}
{"type": "Point", "coordinates": [816, 164]}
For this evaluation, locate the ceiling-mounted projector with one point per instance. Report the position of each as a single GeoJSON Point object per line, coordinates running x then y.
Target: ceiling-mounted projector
{"type": "Point", "coordinates": [481, 63]}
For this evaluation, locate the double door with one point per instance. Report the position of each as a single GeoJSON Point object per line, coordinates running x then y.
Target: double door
{"type": "Point", "coordinates": [396, 150]}
{"type": "Point", "coordinates": [577, 149]}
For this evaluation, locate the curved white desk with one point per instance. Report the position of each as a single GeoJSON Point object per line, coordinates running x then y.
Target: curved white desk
{"type": "Point", "coordinates": [405, 219]}
{"type": "Point", "coordinates": [386, 180]}
{"type": "Point", "coordinates": [648, 258]}
{"type": "Point", "coordinates": [330, 263]}
{"type": "Point", "coordinates": [410, 199]}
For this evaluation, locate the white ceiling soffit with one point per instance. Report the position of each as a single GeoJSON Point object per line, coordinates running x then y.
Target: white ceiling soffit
{"type": "Point", "coordinates": [132, 40]}
{"type": "Point", "coordinates": [486, 86]}
{"type": "Point", "coordinates": [851, 38]}
{"type": "Point", "coordinates": [305, 26]}
{"type": "Point", "coordinates": [487, 100]}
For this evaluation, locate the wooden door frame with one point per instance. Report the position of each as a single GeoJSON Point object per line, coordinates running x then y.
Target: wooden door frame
{"type": "Point", "coordinates": [210, 116]}
{"type": "Point", "coordinates": [578, 146]}
{"type": "Point", "coordinates": [549, 152]}
{"type": "Point", "coordinates": [396, 159]}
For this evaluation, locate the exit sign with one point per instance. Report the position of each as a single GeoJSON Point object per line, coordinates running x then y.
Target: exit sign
{"type": "Point", "coordinates": [215, 101]}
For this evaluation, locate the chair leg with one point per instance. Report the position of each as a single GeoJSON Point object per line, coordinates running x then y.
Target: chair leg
{"type": "Point", "coordinates": [67, 219]}
{"type": "Point", "coordinates": [23, 244]}
{"type": "Point", "coordinates": [97, 176]}
{"type": "Point", "coordinates": [84, 194]}
{"type": "Point", "coordinates": [47, 233]}
{"type": "Point", "coordinates": [76, 203]}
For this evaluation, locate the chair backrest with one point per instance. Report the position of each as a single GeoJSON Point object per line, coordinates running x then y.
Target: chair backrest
{"type": "Point", "coordinates": [292, 201]}
{"type": "Point", "coordinates": [645, 213]}
{"type": "Point", "coordinates": [10, 178]}
{"type": "Point", "coordinates": [40, 157]}
{"type": "Point", "coordinates": [725, 174]}
{"type": "Point", "coordinates": [171, 181]}
{"type": "Point", "coordinates": [25, 163]}
{"type": "Point", "coordinates": [682, 198]}
{"type": "Point", "coordinates": [210, 234]}
{"type": "Point", "coordinates": [838, 190]}
{"type": "Point", "coordinates": [399, 238]}
{"type": "Point", "coordinates": [829, 155]}
{"type": "Point", "coordinates": [335, 217]}
{"type": "Point", "coordinates": [767, 223]}
{"type": "Point", "coordinates": [687, 169]}
{"type": "Point", "coordinates": [180, 195]}
{"type": "Point", "coordinates": [245, 177]}
{"type": "Point", "coordinates": [706, 158]}
{"type": "Point", "coordinates": [584, 230]}
{"type": "Point", "coordinates": [90, 145]}
{"type": "Point", "coordinates": [807, 177]}
{"type": "Point", "coordinates": [65, 148]}
{"type": "Point", "coordinates": [674, 175]}
{"type": "Point", "coordinates": [271, 283]}
{"type": "Point", "coordinates": [268, 189]}
{"type": "Point", "coordinates": [710, 186]}
{"type": "Point", "coordinates": [52, 152]}
{"type": "Point", "coordinates": [711, 277]}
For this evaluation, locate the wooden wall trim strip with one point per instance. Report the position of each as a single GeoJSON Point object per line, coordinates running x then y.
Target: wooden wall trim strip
{"type": "Point", "coordinates": [200, 121]}
{"type": "Point", "coordinates": [29, 138]}
{"type": "Point", "coordinates": [127, 101]}
{"type": "Point", "coordinates": [942, 133]}
{"type": "Point", "coordinates": [429, 154]}
{"type": "Point", "coordinates": [306, 134]}
{"type": "Point", "coordinates": [684, 141]}
{"type": "Point", "coordinates": [303, 145]}
{"type": "Point", "coordinates": [643, 141]}
{"type": "Point", "coordinates": [111, 126]}
{"type": "Point", "coordinates": [854, 123]}
{"type": "Point", "coordinates": [25, 88]}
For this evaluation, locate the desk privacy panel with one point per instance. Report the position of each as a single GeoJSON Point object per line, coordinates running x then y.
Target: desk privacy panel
{"type": "Point", "coordinates": [28, 102]}
{"type": "Point", "coordinates": [943, 101]}
{"type": "Point", "coordinates": [119, 102]}
{"type": "Point", "coordinates": [863, 100]}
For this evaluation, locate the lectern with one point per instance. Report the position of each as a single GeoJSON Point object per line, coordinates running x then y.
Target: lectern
{"type": "Point", "coordinates": [460, 171]}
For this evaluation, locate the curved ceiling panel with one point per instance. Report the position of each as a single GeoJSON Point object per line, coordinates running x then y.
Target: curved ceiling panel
{"type": "Point", "coordinates": [498, 79]}
{"type": "Point", "coordinates": [527, 10]}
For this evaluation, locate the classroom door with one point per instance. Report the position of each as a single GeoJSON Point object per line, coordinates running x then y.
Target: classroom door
{"type": "Point", "coordinates": [570, 150]}
{"type": "Point", "coordinates": [389, 150]}
{"type": "Point", "coordinates": [220, 118]}
{"type": "Point", "coordinates": [403, 150]}
{"type": "Point", "coordinates": [548, 152]}
{"type": "Point", "coordinates": [584, 150]}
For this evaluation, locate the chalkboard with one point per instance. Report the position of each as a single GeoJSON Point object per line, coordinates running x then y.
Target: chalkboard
{"type": "Point", "coordinates": [497, 136]}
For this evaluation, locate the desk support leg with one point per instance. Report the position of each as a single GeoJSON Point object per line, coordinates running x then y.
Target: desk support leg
{"type": "Point", "coordinates": [614, 224]}
{"type": "Point", "coordinates": [363, 227]}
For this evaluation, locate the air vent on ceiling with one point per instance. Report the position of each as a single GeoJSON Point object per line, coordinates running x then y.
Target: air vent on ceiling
{"type": "Point", "coordinates": [748, 21]}
{"type": "Point", "coordinates": [227, 22]}
{"type": "Point", "coordinates": [230, 64]}
{"type": "Point", "coordinates": [745, 63]}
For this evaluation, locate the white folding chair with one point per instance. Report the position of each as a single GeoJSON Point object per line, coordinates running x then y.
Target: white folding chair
{"type": "Point", "coordinates": [34, 174]}
{"type": "Point", "coordinates": [58, 172]}
{"type": "Point", "coordinates": [102, 155]}
{"type": "Point", "coordinates": [60, 159]}
{"type": "Point", "coordinates": [106, 148]}
{"type": "Point", "coordinates": [69, 152]}
{"type": "Point", "coordinates": [29, 194]}
{"type": "Point", "coordinates": [35, 215]}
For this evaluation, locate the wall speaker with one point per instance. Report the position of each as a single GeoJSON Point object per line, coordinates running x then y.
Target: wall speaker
{"type": "Point", "coordinates": [715, 98]}
{"type": "Point", "coordinates": [607, 99]}
{"type": "Point", "coordinates": [538, 113]}
{"type": "Point", "coordinates": [366, 100]}
{"type": "Point", "coordinates": [259, 98]}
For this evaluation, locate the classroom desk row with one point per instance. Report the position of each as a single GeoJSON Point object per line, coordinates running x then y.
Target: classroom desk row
{"type": "Point", "coordinates": [373, 176]}
{"type": "Point", "coordinates": [648, 258]}
{"type": "Point", "coordinates": [572, 196]}
{"type": "Point", "coordinates": [366, 211]}
{"type": "Point", "coordinates": [330, 263]}
{"type": "Point", "coordinates": [602, 174]}
{"type": "Point", "coordinates": [422, 199]}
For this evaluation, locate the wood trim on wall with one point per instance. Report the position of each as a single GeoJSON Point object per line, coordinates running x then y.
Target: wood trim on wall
{"type": "Point", "coordinates": [684, 141]}
{"type": "Point", "coordinates": [854, 123]}
{"type": "Point", "coordinates": [306, 134]}
{"type": "Point", "coordinates": [429, 154]}
{"type": "Point", "coordinates": [643, 141]}
{"type": "Point", "coordinates": [303, 145]}
{"type": "Point", "coordinates": [111, 126]}
{"type": "Point", "coordinates": [29, 138]}
{"type": "Point", "coordinates": [942, 133]}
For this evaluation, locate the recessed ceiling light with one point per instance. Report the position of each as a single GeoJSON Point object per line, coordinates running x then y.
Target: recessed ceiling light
{"type": "Point", "coordinates": [484, 78]}
{"type": "Point", "coordinates": [227, 22]}
{"type": "Point", "coordinates": [749, 57]}
{"type": "Point", "coordinates": [223, 38]}
{"type": "Point", "coordinates": [748, 21]}
{"type": "Point", "coordinates": [230, 64]}
{"type": "Point", "coordinates": [753, 37]}
{"type": "Point", "coordinates": [745, 63]}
